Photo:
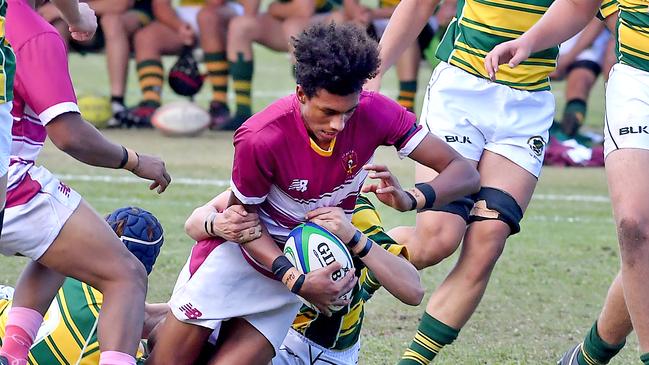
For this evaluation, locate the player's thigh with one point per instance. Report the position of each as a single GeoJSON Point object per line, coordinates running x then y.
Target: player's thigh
{"type": "Point", "coordinates": [241, 343]}
{"type": "Point", "coordinates": [178, 342]}
{"type": "Point", "coordinates": [273, 35]}
{"type": "Point", "coordinates": [627, 171]}
{"type": "Point", "coordinates": [499, 172]}
{"type": "Point", "coordinates": [157, 37]}
{"type": "Point", "coordinates": [87, 249]}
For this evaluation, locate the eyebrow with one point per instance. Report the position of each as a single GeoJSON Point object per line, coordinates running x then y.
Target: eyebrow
{"type": "Point", "coordinates": [334, 110]}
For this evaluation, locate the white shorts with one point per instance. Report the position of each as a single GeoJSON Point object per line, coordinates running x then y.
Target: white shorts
{"type": "Point", "coordinates": [217, 284]}
{"type": "Point", "coordinates": [595, 53]}
{"type": "Point", "coordinates": [473, 114]}
{"type": "Point", "coordinates": [626, 123]}
{"type": "Point", "coordinates": [6, 122]}
{"type": "Point", "coordinates": [189, 14]}
{"type": "Point", "coordinates": [299, 350]}
{"type": "Point", "coordinates": [37, 208]}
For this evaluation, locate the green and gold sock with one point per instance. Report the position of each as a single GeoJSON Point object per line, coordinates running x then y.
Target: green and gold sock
{"type": "Point", "coordinates": [573, 116]}
{"type": "Point", "coordinates": [217, 71]}
{"type": "Point", "coordinates": [595, 351]}
{"type": "Point", "coordinates": [241, 72]}
{"type": "Point", "coordinates": [407, 93]}
{"type": "Point", "coordinates": [151, 76]}
{"type": "Point", "coordinates": [431, 336]}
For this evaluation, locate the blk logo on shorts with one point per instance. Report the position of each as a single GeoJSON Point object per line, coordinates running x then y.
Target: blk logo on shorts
{"type": "Point", "coordinates": [536, 143]}
{"type": "Point", "coordinates": [634, 130]}
{"type": "Point", "coordinates": [299, 185]}
{"type": "Point", "coordinates": [190, 312]}
{"type": "Point", "coordinates": [457, 139]}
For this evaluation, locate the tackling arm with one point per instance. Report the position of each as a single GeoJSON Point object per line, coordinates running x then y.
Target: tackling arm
{"type": "Point", "coordinates": [396, 274]}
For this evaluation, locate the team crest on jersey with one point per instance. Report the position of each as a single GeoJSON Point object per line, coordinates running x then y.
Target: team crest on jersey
{"type": "Point", "coordinates": [536, 143]}
{"type": "Point", "coordinates": [349, 161]}
{"type": "Point", "coordinates": [299, 185]}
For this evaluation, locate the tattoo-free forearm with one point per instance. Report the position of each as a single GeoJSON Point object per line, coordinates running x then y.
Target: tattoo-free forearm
{"type": "Point", "coordinates": [407, 21]}
{"type": "Point", "coordinates": [396, 274]}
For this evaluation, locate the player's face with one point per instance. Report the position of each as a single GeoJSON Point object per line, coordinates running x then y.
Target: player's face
{"type": "Point", "coordinates": [325, 114]}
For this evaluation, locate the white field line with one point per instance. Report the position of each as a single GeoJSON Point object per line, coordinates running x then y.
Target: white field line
{"type": "Point", "coordinates": [217, 182]}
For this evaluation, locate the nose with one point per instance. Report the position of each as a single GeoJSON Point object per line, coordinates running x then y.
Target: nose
{"type": "Point", "coordinates": [337, 123]}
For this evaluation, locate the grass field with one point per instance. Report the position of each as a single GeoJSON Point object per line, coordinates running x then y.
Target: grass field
{"type": "Point", "coordinates": [544, 295]}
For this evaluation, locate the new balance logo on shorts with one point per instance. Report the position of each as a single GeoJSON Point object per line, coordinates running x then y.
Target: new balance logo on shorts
{"type": "Point", "coordinates": [458, 139]}
{"type": "Point", "coordinates": [64, 189]}
{"type": "Point", "coordinates": [299, 185]}
{"type": "Point", "coordinates": [190, 312]}
{"type": "Point", "coordinates": [634, 130]}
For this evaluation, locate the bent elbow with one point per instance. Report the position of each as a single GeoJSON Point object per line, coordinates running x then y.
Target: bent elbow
{"type": "Point", "coordinates": [414, 296]}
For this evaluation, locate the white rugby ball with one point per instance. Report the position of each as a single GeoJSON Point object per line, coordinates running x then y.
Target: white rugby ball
{"type": "Point", "coordinates": [180, 119]}
{"type": "Point", "coordinates": [310, 247]}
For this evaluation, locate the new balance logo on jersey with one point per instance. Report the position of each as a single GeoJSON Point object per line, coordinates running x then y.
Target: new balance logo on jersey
{"type": "Point", "coordinates": [634, 130]}
{"type": "Point", "coordinates": [64, 189]}
{"type": "Point", "coordinates": [299, 185]}
{"type": "Point", "coordinates": [191, 312]}
{"type": "Point", "coordinates": [458, 139]}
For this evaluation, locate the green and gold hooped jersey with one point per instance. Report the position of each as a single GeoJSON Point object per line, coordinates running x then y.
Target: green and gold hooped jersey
{"type": "Point", "coordinates": [191, 2]}
{"type": "Point", "coordinates": [342, 330]}
{"type": "Point", "coordinates": [7, 60]}
{"type": "Point", "coordinates": [69, 327]}
{"type": "Point", "coordinates": [632, 31]}
{"type": "Point", "coordinates": [480, 25]}
{"type": "Point", "coordinates": [388, 3]}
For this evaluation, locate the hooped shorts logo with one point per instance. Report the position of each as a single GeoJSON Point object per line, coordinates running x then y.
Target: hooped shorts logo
{"type": "Point", "coordinates": [350, 160]}
{"type": "Point", "coordinates": [537, 144]}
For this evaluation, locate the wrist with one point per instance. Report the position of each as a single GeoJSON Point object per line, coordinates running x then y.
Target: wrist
{"type": "Point", "coordinates": [284, 271]}
{"type": "Point", "coordinates": [209, 224]}
{"type": "Point", "coordinates": [132, 160]}
{"type": "Point", "coordinates": [427, 194]}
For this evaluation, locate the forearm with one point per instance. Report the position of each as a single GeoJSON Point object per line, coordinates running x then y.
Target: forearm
{"type": "Point", "coordinates": [81, 140]}
{"type": "Point", "coordinates": [396, 274]}
{"type": "Point", "coordinates": [458, 179]}
{"type": "Point", "coordinates": [407, 21]}
{"type": "Point", "coordinates": [69, 10]}
{"type": "Point", "coordinates": [264, 250]}
{"type": "Point", "coordinates": [382, 13]}
{"type": "Point", "coordinates": [555, 27]}
{"type": "Point", "coordinates": [195, 224]}
{"type": "Point", "coordinates": [586, 39]}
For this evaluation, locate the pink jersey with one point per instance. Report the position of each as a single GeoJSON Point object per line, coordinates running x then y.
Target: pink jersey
{"type": "Point", "coordinates": [42, 87]}
{"type": "Point", "coordinates": [280, 169]}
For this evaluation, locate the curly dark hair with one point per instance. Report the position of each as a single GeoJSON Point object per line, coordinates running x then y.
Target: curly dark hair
{"type": "Point", "coordinates": [336, 57]}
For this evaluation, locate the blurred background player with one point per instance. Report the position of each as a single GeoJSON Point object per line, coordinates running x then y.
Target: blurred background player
{"type": "Point", "coordinates": [316, 339]}
{"type": "Point", "coordinates": [71, 239]}
{"type": "Point", "coordinates": [68, 334]}
{"type": "Point", "coordinates": [582, 59]}
{"type": "Point", "coordinates": [175, 27]}
{"type": "Point", "coordinates": [273, 29]}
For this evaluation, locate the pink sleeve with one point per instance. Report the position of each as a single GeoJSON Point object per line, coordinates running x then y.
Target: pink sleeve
{"type": "Point", "coordinates": [42, 67]}
{"type": "Point", "coordinates": [398, 126]}
{"type": "Point", "coordinates": [252, 169]}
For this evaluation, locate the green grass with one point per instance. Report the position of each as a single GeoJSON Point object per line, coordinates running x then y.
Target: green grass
{"type": "Point", "coordinates": [544, 295]}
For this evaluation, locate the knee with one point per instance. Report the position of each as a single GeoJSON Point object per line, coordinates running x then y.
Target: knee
{"type": "Point", "coordinates": [433, 243]}
{"type": "Point", "coordinates": [131, 275]}
{"type": "Point", "coordinates": [112, 24]}
{"type": "Point", "coordinates": [145, 43]}
{"type": "Point", "coordinates": [484, 246]}
{"type": "Point", "coordinates": [243, 27]}
{"type": "Point", "coordinates": [633, 233]}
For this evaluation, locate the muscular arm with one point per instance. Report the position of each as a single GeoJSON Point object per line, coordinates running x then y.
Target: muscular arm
{"type": "Point", "coordinates": [79, 139]}
{"type": "Point", "coordinates": [457, 177]}
{"type": "Point", "coordinates": [555, 27]}
{"type": "Point", "coordinates": [396, 274]}
{"type": "Point", "coordinates": [407, 21]}
{"type": "Point", "coordinates": [195, 224]}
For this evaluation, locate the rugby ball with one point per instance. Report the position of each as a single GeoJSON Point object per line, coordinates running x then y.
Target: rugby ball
{"type": "Point", "coordinates": [95, 109]}
{"type": "Point", "coordinates": [310, 247]}
{"type": "Point", "coordinates": [180, 119]}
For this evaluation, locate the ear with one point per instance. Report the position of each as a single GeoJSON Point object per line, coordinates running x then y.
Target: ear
{"type": "Point", "coordinates": [301, 95]}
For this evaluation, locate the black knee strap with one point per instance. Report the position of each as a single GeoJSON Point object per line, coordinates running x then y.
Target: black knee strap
{"type": "Point", "coordinates": [496, 204]}
{"type": "Point", "coordinates": [460, 207]}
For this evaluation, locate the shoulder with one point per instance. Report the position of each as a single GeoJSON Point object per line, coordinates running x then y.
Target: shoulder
{"type": "Point", "coordinates": [269, 125]}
